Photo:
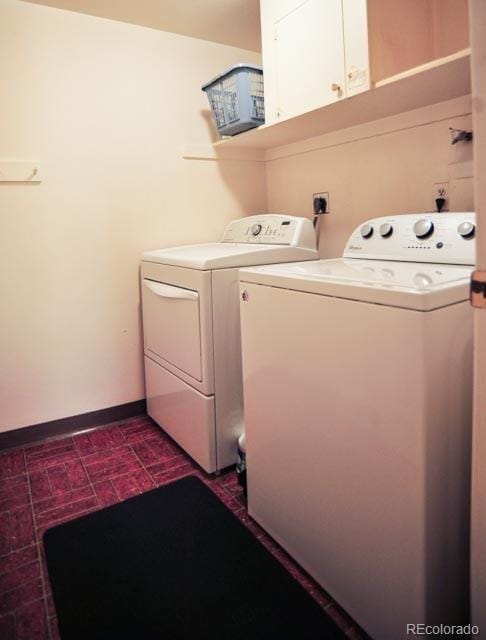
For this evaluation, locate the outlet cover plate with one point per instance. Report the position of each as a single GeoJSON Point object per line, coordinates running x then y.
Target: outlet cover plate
{"type": "Point", "coordinates": [441, 190]}
{"type": "Point", "coordinates": [321, 194]}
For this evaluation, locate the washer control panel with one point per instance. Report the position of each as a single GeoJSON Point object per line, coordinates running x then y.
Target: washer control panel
{"type": "Point", "coordinates": [272, 228]}
{"type": "Point", "coordinates": [418, 237]}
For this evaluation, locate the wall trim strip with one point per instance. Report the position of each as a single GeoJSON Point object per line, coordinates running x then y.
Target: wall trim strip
{"type": "Point", "coordinates": [73, 424]}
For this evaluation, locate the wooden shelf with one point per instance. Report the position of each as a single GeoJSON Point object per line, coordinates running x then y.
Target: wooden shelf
{"type": "Point", "coordinates": [437, 81]}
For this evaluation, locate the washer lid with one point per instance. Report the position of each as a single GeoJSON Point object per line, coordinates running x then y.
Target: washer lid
{"type": "Point", "coordinates": [225, 255]}
{"type": "Point", "coordinates": [411, 285]}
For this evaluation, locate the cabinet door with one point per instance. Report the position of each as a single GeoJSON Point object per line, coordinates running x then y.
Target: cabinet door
{"type": "Point", "coordinates": [355, 27]}
{"type": "Point", "coordinates": [309, 55]}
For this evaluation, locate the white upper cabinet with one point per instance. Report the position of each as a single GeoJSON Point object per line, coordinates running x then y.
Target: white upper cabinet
{"type": "Point", "coordinates": [309, 58]}
{"type": "Point", "coordinates": [315, 52]}
{"type": "Point", "coordinates": [334, 64]}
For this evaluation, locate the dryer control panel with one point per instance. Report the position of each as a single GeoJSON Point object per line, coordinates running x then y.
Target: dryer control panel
{"type": "Point", "coordinates": [418, 237]}
{"type": "Point", "coordinates": [272, 228]}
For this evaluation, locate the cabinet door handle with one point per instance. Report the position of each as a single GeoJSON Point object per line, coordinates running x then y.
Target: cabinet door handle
{"type": "Point", "coordinates": [336, 87]}
{"type": "Point", "coordinates": [166, 291]}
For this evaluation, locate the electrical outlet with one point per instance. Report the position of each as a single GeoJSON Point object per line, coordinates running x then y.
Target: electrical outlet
{"type": "Point", "coordinates": [441, 190]}
{"type": "Point", "coordinates": [321, 194]}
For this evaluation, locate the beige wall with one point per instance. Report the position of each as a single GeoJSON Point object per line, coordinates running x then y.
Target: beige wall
{"type": "Point", "coordinates": [105, 108]}
{"type": "Point", "coordinates": [387, 166]}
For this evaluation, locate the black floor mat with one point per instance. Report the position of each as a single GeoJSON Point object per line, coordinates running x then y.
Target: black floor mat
{"type": "Point", "coordinates": [174, 564]}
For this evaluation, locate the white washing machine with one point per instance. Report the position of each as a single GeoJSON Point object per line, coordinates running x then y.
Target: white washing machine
{"type": "Point", "coordinates": [357, 388]}
{"type": "Point", "coordinates": [191, 325]}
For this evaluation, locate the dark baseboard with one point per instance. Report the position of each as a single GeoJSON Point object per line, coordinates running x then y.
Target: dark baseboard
{"type": "Point", "coordinates": [65, 426]}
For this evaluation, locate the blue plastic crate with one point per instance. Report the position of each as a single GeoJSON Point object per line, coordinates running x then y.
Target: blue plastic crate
{"type": "Point", "coordinates": [236, 99]}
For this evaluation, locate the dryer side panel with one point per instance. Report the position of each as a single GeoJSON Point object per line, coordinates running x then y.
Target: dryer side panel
{"type": "Point", "coordinates": [227, 365]}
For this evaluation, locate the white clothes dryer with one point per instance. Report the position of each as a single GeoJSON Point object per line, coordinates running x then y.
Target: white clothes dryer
{"type": "Point", "coordinates": [358, 391]}
{"type": "Point", "coordinates": [191, 326]}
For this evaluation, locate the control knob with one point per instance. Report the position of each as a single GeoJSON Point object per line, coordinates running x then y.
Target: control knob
{"type": "Point", "coordinates": [366, 231]}
{"type": "Point", "coordinates": [423, 228]}
{"type": "Point", "coordinates": [466, 229]}
{"type": "Point", "coordinates": [386, 230]}
{"type": "Point", "coordinates": [256, 228]}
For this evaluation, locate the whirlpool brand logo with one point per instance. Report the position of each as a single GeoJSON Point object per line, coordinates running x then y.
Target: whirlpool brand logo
{"type": "Point", "coordinates": [354, 247]}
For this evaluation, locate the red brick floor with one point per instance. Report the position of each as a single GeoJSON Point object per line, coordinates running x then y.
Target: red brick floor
{"type": "Point", "coordinates": [59, 480]}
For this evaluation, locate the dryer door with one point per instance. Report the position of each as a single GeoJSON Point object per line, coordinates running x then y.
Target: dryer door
{"type": "Point", "coordinates": [172, 325]}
